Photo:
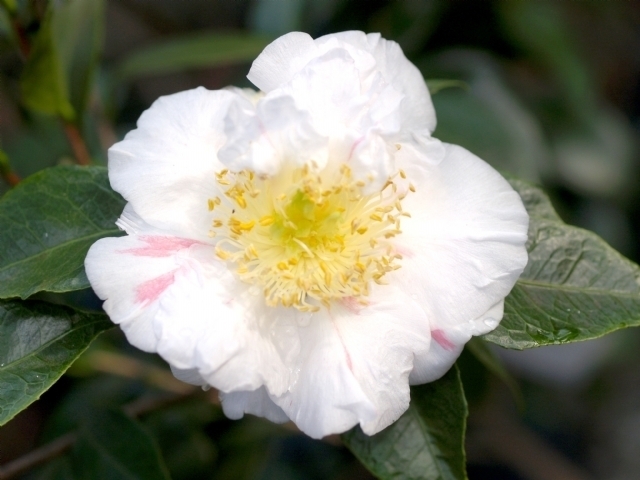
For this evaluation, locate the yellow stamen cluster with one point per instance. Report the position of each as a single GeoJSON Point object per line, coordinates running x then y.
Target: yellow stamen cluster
{"type": "Point", "coordinates": [307, 237]}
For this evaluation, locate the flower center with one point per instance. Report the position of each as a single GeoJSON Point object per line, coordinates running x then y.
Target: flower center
{"type": "Point", "coordinates": [307, 237]}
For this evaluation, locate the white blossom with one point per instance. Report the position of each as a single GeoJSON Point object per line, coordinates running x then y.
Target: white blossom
{"type": "Point", "coordinates": [309, 250]}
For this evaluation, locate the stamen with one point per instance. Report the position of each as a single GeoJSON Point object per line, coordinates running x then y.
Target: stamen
{"type": "Point", "coordinates": [306, 236]}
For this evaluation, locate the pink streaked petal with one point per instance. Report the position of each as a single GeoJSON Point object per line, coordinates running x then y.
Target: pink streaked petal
{"type": "Point", "coordinates": [353, 305]}
{"type": "Point", "coordinates": [440, 337]}
{"type": "Point", "coordinates": [160, 246]}
{"type": "Point", "coordinates": [151, 289]}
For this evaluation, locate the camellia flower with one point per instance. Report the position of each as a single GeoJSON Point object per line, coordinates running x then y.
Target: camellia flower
{"type": "Point", "coordinates": [309, 250]}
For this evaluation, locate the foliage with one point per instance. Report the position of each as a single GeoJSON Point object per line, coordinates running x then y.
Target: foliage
{"type": "Point", "coordinates": [38, 343]}
{"type": "Point", "coordinates": [49, 222]}
{"type": "Point", "coordinates": [427, 442]}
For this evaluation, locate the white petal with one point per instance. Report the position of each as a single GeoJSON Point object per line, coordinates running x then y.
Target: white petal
{"type": "Point", "coordinates": [463, 246]}
{"type": "Point", "coordinates": [354, 364]}
{"type": "Point", "coordinates": [262, 137]}
{"type": "Point", "coordinates": [131, 223]}
{"type": "Point", "coordinates": [131, 273]}
{"type": "Point", "coordinates": [417, 109]}
{"type": "Point", "coordinates": [212, 322]}
{"type": "Point", "coordinates": [447, 344]}
{"type": "Point", "coordinates": [358, 117]}
{"type": "Point", "coordinates": [257, 402]}
{"type": "Point", "coordinates": [280, 60]}
{"type": "Point", "coordinates": [165, 168]}
{"type": "Point", "coordinates": [188, 375]}
{"type": "Point", "coordinates": [289, 54]}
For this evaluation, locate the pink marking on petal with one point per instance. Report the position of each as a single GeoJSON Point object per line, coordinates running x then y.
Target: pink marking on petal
{"type": "Point", "coordinates": [404, 251]}
{"type": "Point", "coordinates": [159, 246]}
{"type": "Point", "coordinates": [344, 346]}
{"type": "Point", "coordinates": [353, 147]}
{"type": "Point", "coordinates": [152, 289]}
{"type": "Point", "coordinates": [440, 337]}
{"type": "Point", "coordinates": [351, 304]}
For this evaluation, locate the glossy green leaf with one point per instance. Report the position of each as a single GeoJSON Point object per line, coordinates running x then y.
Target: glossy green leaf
{"type": "Point", "coordinates": [47, 224]}
{"type": "Point", "coordinates": [59, 72]}
{"type": "Point", "coordinates": [426, 442]}
{"type": "Point", "coordinates": [575, 287]}
{"type": "Point", "coordinates": [113, 446]}
{"type": "Point", "coordinates": [38, 342]}
{"type": "Point", "coordinates": [194, 51]}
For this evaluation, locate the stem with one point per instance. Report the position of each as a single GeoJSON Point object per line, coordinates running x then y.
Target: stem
{"type": "Point", "coordinates": [7, 174]}
{"type": "Point", "coordinates": [38, 457]}
{"type": "Point", "coordinates": [10, 177]}
{"type": "Point", "coordinates": [80, 151]}
{"type": "Point", "coordinates": [21, 35]}
{"type": "Point", "coordinates": [62, 444]}
{"type": "Point", "coordinates": [128, 367]}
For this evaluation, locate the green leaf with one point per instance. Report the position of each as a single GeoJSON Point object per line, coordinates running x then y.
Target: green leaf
{"type": "Point", "coordinates": [43, 81]}
{"type": "Point", "coordinates": [426, 442]}
{"type": "Point", "coordinates": [193, 51]}
{"type": "Point", "coordinates": [78, 30]}
{"type": "Point", "coordinates": [38, 342]}
{"type": "Point", "coordinates": [435, 85]}
{"type": "Point", "coordinates": [575, 287]}
{"type": "Point", "coordinates": [59, 72]}
{"type": "Point", "coordinates": [113, 446]}
{"type": "Point", "coordinates": [47, 224]}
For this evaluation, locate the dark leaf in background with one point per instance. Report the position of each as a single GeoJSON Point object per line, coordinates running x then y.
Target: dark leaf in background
{"type": "Point", "coordinates": [575, 287]}
{"type": "Point", "coordinates": [203, 50]}
{"type": "Point", "coordinates": [113, 446]}
{"type": "Point", "coordinates": [427, 441]}
{"type": "Point", "coordinates": [48, 223]}
{"type": "Point", "coordinates": [58, 469]}
{"type": "Point", "coordinates": [43, 82]}
{"type": "Point", "coordinates": [10, 5]}
{"type": "Point", "coordinates": [542, 29]}
{"type": "Point", "coordinates": [59, 72]}
{"type": "Point", "coordinates": [483, 354]}
{"type": "Point", "coordinates": [435, 85]}
{"type": "Point", "coordinates": [38, 342]}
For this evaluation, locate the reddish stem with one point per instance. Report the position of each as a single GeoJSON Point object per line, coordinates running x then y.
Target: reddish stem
{"type": "Point", "coordinates": [77, 144]}
{"type": "Point", "coordinates": [11, 177]}
{"type": "Point", "coordinates": [23, 40]}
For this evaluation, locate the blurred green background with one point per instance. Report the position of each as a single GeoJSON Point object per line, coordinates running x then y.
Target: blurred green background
{"type": "Point", "coordinates": [548, 91]}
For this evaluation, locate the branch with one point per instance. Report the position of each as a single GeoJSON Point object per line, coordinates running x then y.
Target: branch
{"type": "Point", "coordinates": [10, 177]}
{"type": "Point", "coordinates": [37, 457]}
{"type": "Point", "coordinates": [7, 174]}
{"type": "Point", "coordinates": [79, 147]}
{"type": "Point", "coordinates": [24, 46]}
{"type": "Point", "coordinates": [62, 444]}
{"type": "Point", "coordinates": [128, 367]}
